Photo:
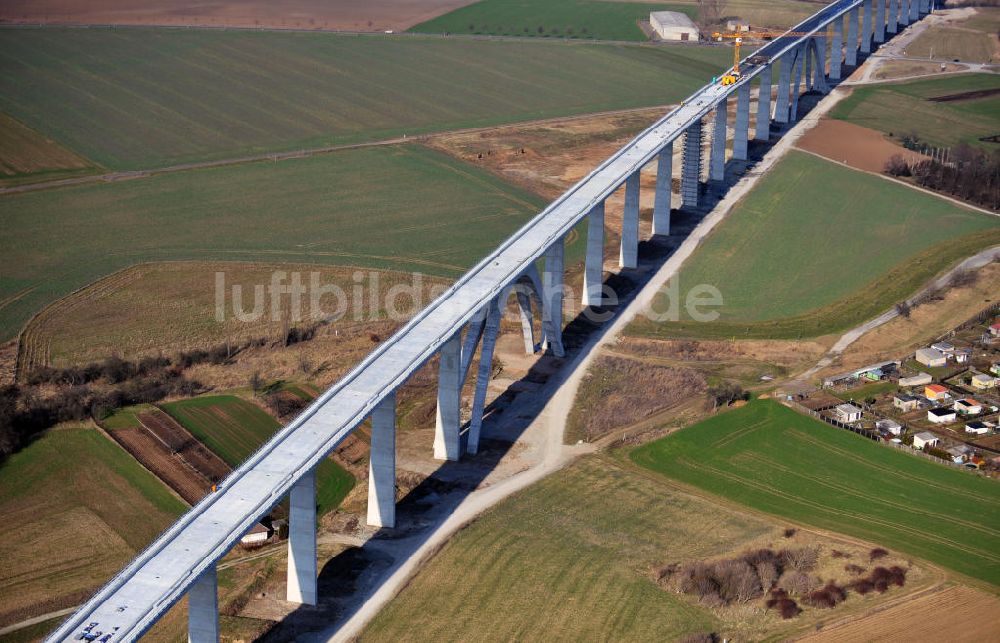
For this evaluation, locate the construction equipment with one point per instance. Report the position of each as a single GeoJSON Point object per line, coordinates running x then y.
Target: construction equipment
{"type": "Point", "coordinates": [737, 37]}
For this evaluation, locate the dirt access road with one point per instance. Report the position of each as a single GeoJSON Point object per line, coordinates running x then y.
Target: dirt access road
{"type": "Point", "coordinates": [334, 15]}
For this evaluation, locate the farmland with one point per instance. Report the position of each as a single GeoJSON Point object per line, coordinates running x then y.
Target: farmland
{"type": "Point", "coordinates": [570, 557]}
{"type": "Point", "coordinates": [771, 458]}
{"type": "Point", "coordinates": [969, 40]}
{"type": "Point", "coordinates": [234, 428]}
{"type": "Point", "coordinates": [26, 153]}
{"type": "Point", "coordinates": [942, 124]}
{"type": "Point", "coordinates": [74, 497]}
{"type": "Point", "coordinates": [321, 209]}
{"type": "Point", "coordinates": [142, 98]}
{"type": "Point", "coordinates": [592, 19]}
{"type": "Point", "coordinates": [802, 255]}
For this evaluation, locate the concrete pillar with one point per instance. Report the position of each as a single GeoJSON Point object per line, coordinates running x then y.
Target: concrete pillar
{"type": "Point", "coordinates": [593, 274]}
{"type": "Point", "coordinates": [784, 86]}
{"type": "Point", "coordinates": [523, 294]}
{"type": "Point", "coordinates": [819, 72]}
{"type": "Point", "coordinates": [717, 162]}
{"type": "Point", "coordinates": [471, 341]}
{"type": "Point", "coordinates": [914, 11]}
{"type": "Point", "coordinates": [203, 608]}
{"type": "Point", "coordinates": [628, 257]}
{"type": "Point", "coordinates": [837, 48]}
{"type": "Point", "coordinates": [302, 541]}
{"type": "Point", "coordinates": [851, 51]}
{"type": "Point", "coordinates": [446, 430]}
{"type": "Point", "coordinates": [808, 51]}
{"type": "Point", "coordinates": [664, 187]}
{"type": "Point", "coordinates": [691, 166]}
{"type": "Point", "coordinates": [904, 12]}
{"type": "Point", "coordinates": [483, 374]}
{"type": "Point", "coordinates": [892, 22]}
{"type": "Point", "coordinates": [382, 465]}
{"type": "Point", "coordinates": [866, 28]}
{"type": "Point", "coordinates": [797, 82]}
{"type": "Point", "coordinates": [742, 134]}
{"type": "Point", "coordinates": [763, 129]}
{"type": "Point", "coordinates": [552, 298]}
{"type": "Point", "coordinates": [879, 21]}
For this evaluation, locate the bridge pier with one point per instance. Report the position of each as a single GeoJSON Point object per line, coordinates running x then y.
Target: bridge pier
{"type": "Point", "coordinates": [879, 21]}
{"type": "Point", "coordinates": [801, 53]}
{"type": "Point", "coordinates": [763, 128]}
{"type": "Point", "coordinates": [892, 24]}
{"type": "Point", "coordinates": [449, 398]}
{"type": "Point", "coordinates": [808, 75]}
{"type": "Point", "coordinates": [552, 298]}
{"type": "Point", "coordinates": [203, 608]}
{"type": "Point", "coordinates": [819, 72]}
{"type": "Point", "coordinates": [382, 465]}
{"type": "Point", "coordinates": [904, 12]}
{"type": "Point", "coordinates": [664, 188]}
{"type": "Point", "coordinates": [867, 27]}
{"type": "Point", "coordinates": [302, 541]}
{"type": "Point", "coordinates": [717, 160]}
{"type": "Point", "coordinates": [691, 166]}
{"type": "Point", "coordinates": [851, 51]}
{"type": "Point", "coordinates": [741, 137]}
{"type": "Point", "coordinates": [490, 335]}
{"type": "Point", "coordinates": [629, 253]}
{"type": "Point", "coordinates": [914, 11]}
{"type": "Point", "coordinates": [527, 322]}
{"type": "Point", "coordinates": [781, 106]}
{"type": "Point", "coordinates": [837, 48]}
{"type": "Point", "coordinates": [593, 273]}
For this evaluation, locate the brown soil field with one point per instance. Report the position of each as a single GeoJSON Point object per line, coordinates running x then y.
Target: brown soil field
{"type": "Point", "coordinates": [370, 15]}
{"type": "Point", "coordinates": [25, 151]}
{"type": "Point", "coordinates": [927, 321]}
{"type": "Point", "coordinates": [184, 445]}
{"type": "Point", "coordinates": [165, 307]}
{"type": "Point", "coordinates": [954, 614]}
{"type": "Point", "coordinates": [892, 69]}
{"type": "Point", "coordinates": [859, 147]}
{"type": "Point", "coordinates": [169, 468]}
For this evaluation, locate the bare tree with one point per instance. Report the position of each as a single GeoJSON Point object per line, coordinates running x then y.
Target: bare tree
{"type": "Point", "coordinates": [710, 13]}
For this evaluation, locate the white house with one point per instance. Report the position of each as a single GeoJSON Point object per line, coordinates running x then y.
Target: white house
{"type": "Point", "coordinates": [848, 413]}
{"type": "Point", "coordinates": [931, 357]}
{"type": "Point", "coordinates": [672, 25]}
{"type": "Point", "coordinates": [925, 439]}
{"type": "Point", "coordinates": [257, 534]}
{"type": "Point", "coordinates": [962, 355]}
{"type": "Point", "coordinates": [941, 416]}
{"type": "Point", "coordinates": [977, 428]}
{"type": "Point", "coordinates": [890, 426]}
{"type": "Point", "coordinates": [904, 402]}
{"type": "Point", "coordinates": [968, 406]}
{"type": "Point", "coordinates": [916, 380]}
{"type": "Point", "coordinates": [945, 347]}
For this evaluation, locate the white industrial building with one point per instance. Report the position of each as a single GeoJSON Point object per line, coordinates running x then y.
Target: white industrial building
{"type": "Point", "coordinates": [671, 25]}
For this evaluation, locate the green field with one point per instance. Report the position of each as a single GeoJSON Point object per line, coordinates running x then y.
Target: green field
{"type": "Point", "coordinates": [141, 98]}
{"type": "Point", "coordinates": [816, 248]}
{"type": "Point", "coordinates": [596, 19]}
{"type": "Point", "coordinates": [773, 459]}
{"type": "Point", "coordinates": [568, 560]}
{"type": "Point", "coordinates": [399, 207]}
{"type": "Point", "coordinates": [80, 507]}
{"type": "Point", "coordinates": [940, 124]}
{"type": "Point", "coordinates": [234, 428]}
{"type": "Point", "coordinates": [960, 40]}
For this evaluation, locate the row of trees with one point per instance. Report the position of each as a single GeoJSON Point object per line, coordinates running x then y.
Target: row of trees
{"type": "Point", "coordinates": [970, 174]}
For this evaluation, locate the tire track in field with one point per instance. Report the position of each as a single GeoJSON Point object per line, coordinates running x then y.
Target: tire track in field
{"type": "Point", "coordinates": [839, 512]}
{"type": "Point", "coordinates": [735, 435]}
{"type": "Point", "coordinates": [756, 457]}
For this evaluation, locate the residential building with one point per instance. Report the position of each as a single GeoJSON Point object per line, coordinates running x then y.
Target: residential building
{"type": "Point", "coordinates": [962, 355]}
{"type": "Point", "coordinates": [883, 368]}
{"type": "Point", "coordinates": [889, 426]}
{"type": "Point", "coordinates": [925, 439]}
{"type": "Point", "coordinates": [958, 453]}
{"type": "Point", "coordinates": [916, 380]}
{"type": "Point", "coordinates": [945, 347]}
{"type": "Point", "coordinates": [968, 406]}
{"type": "Point", "coordinates": [931, 357]}
{"type": "Point", "coordinates": [257, 534]}
{"type": "Point", "coordinates": [936, 392]}
{"type": "Point", "coordinates": [904, 402]}
{"type": "Point", "coordinates": [848, 413]}
{"type": "Point", "coordinates": [941, 415]}
{"type": "Point", "coordinates": [672, 25]}
{"type": "Point", "coordinates": [995, 329]}
{"type": "Point", "coordinates": [977, 428]}
{"type": "Point", "coordinates": [982, 381]}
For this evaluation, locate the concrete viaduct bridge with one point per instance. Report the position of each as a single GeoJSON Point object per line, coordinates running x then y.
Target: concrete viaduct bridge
{"type": "Point", "coordinates": [466, 317]}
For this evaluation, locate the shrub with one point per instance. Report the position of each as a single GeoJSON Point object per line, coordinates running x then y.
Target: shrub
{"type": "Point", "coordinates": [781, 602]}
{"type": "Point", "coordinates": [877, 553]}
{"type": "Point", "coordinates": [803, 559]}
{"type": "Point", "coordinates": [798, 583]}
{"type": "Point", "coordinates": [790, 531]}
{"type": "Point", "coordinates": [826, 597]}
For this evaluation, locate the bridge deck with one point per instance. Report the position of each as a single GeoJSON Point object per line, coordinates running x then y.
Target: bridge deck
{"type": "Point", "coordinates": [134, 599]}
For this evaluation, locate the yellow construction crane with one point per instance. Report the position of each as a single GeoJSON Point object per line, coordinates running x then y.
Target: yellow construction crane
{"type": "Point", "coordinates": [737, 37]}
